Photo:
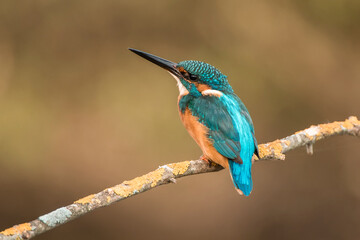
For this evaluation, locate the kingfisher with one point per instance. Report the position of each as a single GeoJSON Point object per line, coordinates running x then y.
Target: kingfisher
{"type": "Point", "coordinates": [214, 116]}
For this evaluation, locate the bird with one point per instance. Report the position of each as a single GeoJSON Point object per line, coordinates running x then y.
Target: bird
{"type": "Point", "coordinates": [214, 116]}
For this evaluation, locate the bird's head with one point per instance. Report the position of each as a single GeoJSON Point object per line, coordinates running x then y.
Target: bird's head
{"type": "Point", "coordinates": [194, 77]}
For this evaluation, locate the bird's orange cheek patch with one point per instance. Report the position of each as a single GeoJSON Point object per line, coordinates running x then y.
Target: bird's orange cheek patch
{"type": "Point", "coordinates": [202, 87]}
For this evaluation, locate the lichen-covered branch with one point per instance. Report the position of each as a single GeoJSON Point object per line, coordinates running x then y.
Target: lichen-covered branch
{"type": "Point", "coordinates": [168, 173]}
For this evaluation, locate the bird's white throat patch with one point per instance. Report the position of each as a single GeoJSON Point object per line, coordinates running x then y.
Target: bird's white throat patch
{"type": "Point", "coordinates": [208, 92]}
{"type": "Point", "coordinates": [182, 89]}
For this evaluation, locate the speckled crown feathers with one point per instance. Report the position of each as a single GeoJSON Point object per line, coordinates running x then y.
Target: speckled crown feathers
{"type": "Point", "coordinates": [207, 74]}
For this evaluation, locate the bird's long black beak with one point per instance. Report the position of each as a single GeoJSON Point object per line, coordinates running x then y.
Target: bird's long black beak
{"type": "Point", "coordinates": [166, 64]}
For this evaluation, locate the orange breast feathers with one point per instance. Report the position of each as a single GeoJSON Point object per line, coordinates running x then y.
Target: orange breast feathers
{"type": "Point", "coordinates": [199, 133]}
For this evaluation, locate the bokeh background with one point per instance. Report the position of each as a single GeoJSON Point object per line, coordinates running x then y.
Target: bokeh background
{"type": "Point", "coordinates": [79, 113]}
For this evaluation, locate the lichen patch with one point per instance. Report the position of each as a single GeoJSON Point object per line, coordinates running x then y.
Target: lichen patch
{"type": "Point", "coordinates": [311, 132]}
{"type": "Point", "coordinates": [286, 142]}
{"type": "Point", "coordinates": [59, 216]}
{"type": "Point", "coordinates": [119, 190]}
{"type": "Point", "coordinates": [134, 186]}
{"type": "Point", "coordinates": [17, 229]}
{"type": "Point", "coordinates": [179, 168]}
{"type": "Point", "coordinates": [156, 176]}
{"type": "Point", "coordinates": [348, 124]}
{"type": "Point", "coordinates": [85, 200]}
{"type": "Point", "coordinates": [353, 120]}
{"type": "Point", "coordinates": [328, 129]}
{"type": "Point", "coordinates": [274, 149]}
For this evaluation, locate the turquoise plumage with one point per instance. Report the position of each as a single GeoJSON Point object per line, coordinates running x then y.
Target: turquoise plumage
{"type": "Point", "coordinates": [231, 130]}
{"type": "Point", "coordinates": [215, 117]}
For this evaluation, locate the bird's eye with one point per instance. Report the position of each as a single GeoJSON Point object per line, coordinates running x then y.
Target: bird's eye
{"type": "Point", "coordinates": [193, 77]}
{"type": "Point", "coordinates": [188, 75]}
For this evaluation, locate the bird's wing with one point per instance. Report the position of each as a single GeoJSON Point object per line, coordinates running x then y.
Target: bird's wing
{"type": "Point", "coordinates": [218, 118]}
{"type": "Point", "coordinates": [245, 113]}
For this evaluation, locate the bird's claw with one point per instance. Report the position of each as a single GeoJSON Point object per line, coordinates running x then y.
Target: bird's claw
{"type": "Point", "coordinates": [208, 161]}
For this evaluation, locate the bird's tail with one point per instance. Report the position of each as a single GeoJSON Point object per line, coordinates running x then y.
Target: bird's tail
{"type": "Point", "coordinates": [241, 176]}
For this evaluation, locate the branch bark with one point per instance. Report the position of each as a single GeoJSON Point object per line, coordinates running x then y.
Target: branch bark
{"type": "Point", "coordinates": [169, 173]}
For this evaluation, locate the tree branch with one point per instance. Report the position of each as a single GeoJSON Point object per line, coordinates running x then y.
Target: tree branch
{"type": "Point", "coordinates": [168, 173]}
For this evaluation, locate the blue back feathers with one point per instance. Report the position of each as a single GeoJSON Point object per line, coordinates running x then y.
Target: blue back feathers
{"type": "Point", "coordinates": [241, 173]}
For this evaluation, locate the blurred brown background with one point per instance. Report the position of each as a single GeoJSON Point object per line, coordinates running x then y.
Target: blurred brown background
{"type": "Point", "coordinates": [80, 113]}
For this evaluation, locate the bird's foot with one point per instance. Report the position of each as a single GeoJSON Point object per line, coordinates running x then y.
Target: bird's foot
{"type": "Point", "coordinates": [208, 161]}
